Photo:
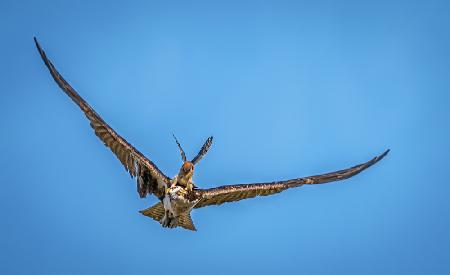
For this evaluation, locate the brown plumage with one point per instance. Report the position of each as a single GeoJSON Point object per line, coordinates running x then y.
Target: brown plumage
{"type": "Point", "coordinates": [134, 161]}
{"type": "Point", "coordinates": [179, 196]}
{"type": "Point", "coordinates": [230, 193]}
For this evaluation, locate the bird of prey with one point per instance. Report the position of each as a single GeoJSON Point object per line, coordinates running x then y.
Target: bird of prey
{"type": "Point", "coordinates": [178, 196]}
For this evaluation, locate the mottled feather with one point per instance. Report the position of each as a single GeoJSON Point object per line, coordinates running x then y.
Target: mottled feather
{"type": "Point", "coordinates": [231, 193]}
{"type": "Point", "coordinates": [134, 161]}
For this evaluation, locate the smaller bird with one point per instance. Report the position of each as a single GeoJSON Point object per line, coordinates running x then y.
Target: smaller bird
{"type": "Point", "coordinates": [184, 177]}
{"type": "Point", "coordinates": [179, 195]}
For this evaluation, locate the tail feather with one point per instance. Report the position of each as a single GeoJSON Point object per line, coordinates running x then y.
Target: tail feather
{"type": "Point", "coordinates": [157, 212]}
{"type": "Point", "coordinates": [186, 222]}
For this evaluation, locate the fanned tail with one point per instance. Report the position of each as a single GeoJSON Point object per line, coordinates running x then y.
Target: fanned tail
{"type": "Point", "coordinates": [185, 221]}
{"type": "Point", "coordinates": [157, 212]}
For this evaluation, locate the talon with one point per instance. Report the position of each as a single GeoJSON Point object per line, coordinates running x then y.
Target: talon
{"type": "Point", "coordinates": [189, 187]}
{"type": "Point", "coordinates": [173, 223]}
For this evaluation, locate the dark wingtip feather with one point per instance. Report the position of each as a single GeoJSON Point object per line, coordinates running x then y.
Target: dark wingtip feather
{"type": "Point", "coordinates": [206, 146]}
{"type": "Point", "coordinates": [44, 56]}
{"type": "Point", "coordinates": [38, 46]}
{"type": "Point", "coordinates": [380, 157]}
{"type": "Point", "coordinates": [183, 155]}
{"type": "Point", "coordinates": [371, 162]}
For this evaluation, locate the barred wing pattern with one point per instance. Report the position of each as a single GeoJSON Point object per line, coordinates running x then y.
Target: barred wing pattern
{"type": "Point", "coordinates": [203, 150]}
{"type": "Point", "coordinates": [231, 193]}
{"type": "Point", "coordinates": [135, 162]}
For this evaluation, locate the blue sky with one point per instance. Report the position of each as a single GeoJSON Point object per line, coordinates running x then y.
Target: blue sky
{"type": "Point", "coordinates": [288, 89]}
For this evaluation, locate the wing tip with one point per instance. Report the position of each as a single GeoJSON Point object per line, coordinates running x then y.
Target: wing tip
{"type": "Point", "coordinates": [380, 157]}
{"type": "Point", "coordinates": [41, 52]}
{"type": "Point", "coordinates": [373, 161]}
{"type": "Point", "coordinates": [36, 42]}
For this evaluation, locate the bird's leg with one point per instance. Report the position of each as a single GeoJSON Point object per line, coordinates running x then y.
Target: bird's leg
{"type": "Point", "coordinates": [189, 186]}
{"type": "Point", "coordinates": [173, 222]}
{"type": "Point", "coordinates": [169, 220]}
{"type": "Point", "coordinates": [165, 220]}
{"type": "Point", "coordinates": [173, 183]}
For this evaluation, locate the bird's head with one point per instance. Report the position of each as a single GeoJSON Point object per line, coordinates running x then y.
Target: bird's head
{"type": "Point", "coordinates": [187, 170]}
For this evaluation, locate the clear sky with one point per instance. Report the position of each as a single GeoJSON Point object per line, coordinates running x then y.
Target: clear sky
{"type": "Point", "coordinates": [288, 89]}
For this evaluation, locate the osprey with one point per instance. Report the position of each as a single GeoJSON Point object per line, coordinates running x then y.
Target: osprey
{"type": "Point", "coordinates": [178, 196]}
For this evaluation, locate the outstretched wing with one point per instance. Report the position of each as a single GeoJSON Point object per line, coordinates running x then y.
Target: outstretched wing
{"type": "Point", "coordinates": [150, 180]}
{"type": "Point", "coordinates": [230, 193]}
{"type": "Point", "coordinates": [203, 150]}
